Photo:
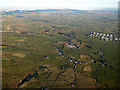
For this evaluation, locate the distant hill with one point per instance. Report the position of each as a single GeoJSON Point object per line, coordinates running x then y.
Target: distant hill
{"type": "Point", "coordinates": [107, 10]}
{"type": "Point", "coordinates": [75, 10]}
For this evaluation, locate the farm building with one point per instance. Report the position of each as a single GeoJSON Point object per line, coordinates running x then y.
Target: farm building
{"type": "Point", "coordinates": [70, 46]}
{"type": "Point", "coordinates": [116, 39]}
{"type": "Point", "coordinates": [101, 34]}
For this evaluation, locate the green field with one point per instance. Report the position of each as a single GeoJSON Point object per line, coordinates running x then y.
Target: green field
{"type": "Point", "coordinates": [54, 43]}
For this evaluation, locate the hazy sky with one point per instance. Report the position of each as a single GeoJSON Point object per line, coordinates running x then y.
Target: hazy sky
{"type": "Point", "coordinates": [75, 4]}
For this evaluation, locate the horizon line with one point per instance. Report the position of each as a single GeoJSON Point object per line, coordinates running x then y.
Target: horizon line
{"type": "Point", "coordinates": [34, 8]}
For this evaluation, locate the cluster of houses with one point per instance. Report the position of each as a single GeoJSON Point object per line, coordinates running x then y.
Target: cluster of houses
{"type": "Point", "coordinates": [74, 44]}
{"type": "Point", "coordinates": [74, 62]}
{"type": "Point", "coordinates": [71, 46]}
{"type": "Point", "coordinates": [99, 53]}
{"type": "Point", "coordinates": [59, 53]}
{"type": "Point", "coordinates": [103, 36]}
{"type": "Point", "coordinates": [98, 61]}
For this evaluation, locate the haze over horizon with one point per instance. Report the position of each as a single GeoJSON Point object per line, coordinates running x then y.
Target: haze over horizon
{"type": "Point", "coordinates": [76, 4]}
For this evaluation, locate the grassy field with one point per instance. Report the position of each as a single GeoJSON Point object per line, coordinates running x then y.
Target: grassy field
{"type": "Point", "coordinates": [35, 39]}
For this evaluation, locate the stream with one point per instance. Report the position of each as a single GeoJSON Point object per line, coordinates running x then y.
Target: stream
{"type": "Point", "coordinates": [26, 79]}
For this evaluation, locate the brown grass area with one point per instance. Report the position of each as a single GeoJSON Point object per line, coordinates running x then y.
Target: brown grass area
{"type": "Point", "coordinates": [21, 40]}
{"type": "Point", "coordinates": [5, 31]}
{"type": "Point", "coordinates": [83, 57]}
{"type": "Point", "coordinates": [8, 29]}
{"type": "Point", "coordinates": [3, 46]}
{"type": "Point", "coordinates": [84, 81]}
{"type": "Point", "coordinates": [73, 41]}
{"type": "Point", "coordinates": [19, 55]}
{"type": "Point", "coordinates": [68, 75]}
{"type": "Point", "coordinates": [52, 83]}
{"type": "Point", "coordinates": [4, 53]}
{"type": "Point", "coordinates": [61, 42]}
{"type": "Point", "coordinates": [87, 68]}
{"type": "Point", "coordinates": [6, 59]}
{"type": "Point", "coordinates": [72, 56]}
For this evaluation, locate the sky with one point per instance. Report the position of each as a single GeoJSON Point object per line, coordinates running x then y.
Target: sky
{"type": "Point", "coordinates": [72, 4]}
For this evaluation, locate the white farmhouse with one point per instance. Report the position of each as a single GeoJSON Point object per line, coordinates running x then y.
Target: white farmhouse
{"type": "Point", "coordinates": [94, 33]}
{"type": "Point", "coordinates": [107, 35]}
{"type": "Point", "coordinates": [101, 34]}
{"type": "Point", "coordinates": [116, 39]}
{"type": "Point", "coordinates": [111, 36]}
{"type": "Point", "coordinates": [106, 39]}
{"type": "Point", "coordinates": [104, 34]}
{"type": "Point", "coordinates": [110, 39]}
{"type": "Point", "coordinates": [97, 33]}
{"type": "Point", "coordinates": [102, 37]}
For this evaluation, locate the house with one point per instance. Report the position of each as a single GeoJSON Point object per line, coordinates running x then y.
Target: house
{"type": "Point", "coordinates": [91, 60]}
{"type": "Point", "coordinates": [110, 39]}
{"type": "Point", "coordinates": [46, 57]}
{"type": "Point", "coordinates": [98, 52]}
{"type": "Point", "coordinates": [72, 85]}
{"type": "Point", "coordinates": [101, 34]}
{"type": "Point", "coordinates": [102, 37]}
{"type": "Point", "coordinates": [17, 43]}
{"type": "Point", "coordinates": [97, 33]}
{"type": "Point", "coordinates": [94, 33]}
{"type": "Point", "coordinates": [91, 34]}
{"type": "Point", "coordinates": [107, 35]}
{"type": "Point", "coordinates": [70, 46]}
{"type": "Point", "coordinates": [116, 39]}
{"type": "Point", "coordinates": [76, 62]}
{"type": "Point", "coordinates": [106, 39]}
{"type": "Point", "coordinates": [63, 56]}
{"type": "Point", "coordinates": [104, 34]}
{"type": "Point", "coordinates": [111, 35]}
{"type": "Point", "coordinates": [86, 62]}
{"type": "Point", "coordinates": [70, 60]}
{"type": "Point", "coordinates": [59, 54]}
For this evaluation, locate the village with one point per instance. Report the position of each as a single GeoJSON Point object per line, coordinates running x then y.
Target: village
{"type": "Point", "coordinates": [104, 36]}
{"type": "Point", "coordinates": [74, 62]}
{"type": "Point", "coordinates": [73, 44]}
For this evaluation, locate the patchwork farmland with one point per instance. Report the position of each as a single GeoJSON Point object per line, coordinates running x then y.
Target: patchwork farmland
{"type": "Point", "coordinates": [59, 49]}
